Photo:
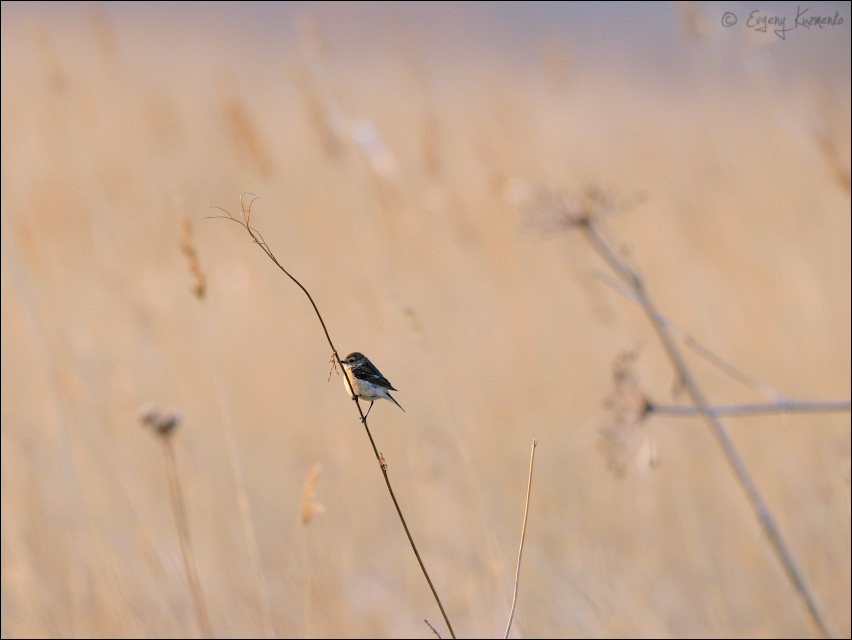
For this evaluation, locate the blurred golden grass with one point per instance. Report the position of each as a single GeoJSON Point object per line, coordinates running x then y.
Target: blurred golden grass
{"type": "Point", "coordinates": [414, 246]}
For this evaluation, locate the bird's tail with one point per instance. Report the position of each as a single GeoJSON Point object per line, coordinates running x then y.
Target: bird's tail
{"type": "Point", "coordinates": [391, 398]}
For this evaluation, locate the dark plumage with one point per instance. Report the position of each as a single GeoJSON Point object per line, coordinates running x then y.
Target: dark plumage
{"type": "Point", "coordinates": [367, 381]}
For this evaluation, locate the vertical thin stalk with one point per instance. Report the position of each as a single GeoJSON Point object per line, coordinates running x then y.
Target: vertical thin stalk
{"type": "Point", "coordinates": [183, 536]}
{"type": "Point", "coordinates": [523, 534]}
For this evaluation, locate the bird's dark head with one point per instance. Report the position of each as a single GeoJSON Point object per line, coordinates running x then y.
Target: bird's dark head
{"type": "Point", "coordinates": [353, 358]}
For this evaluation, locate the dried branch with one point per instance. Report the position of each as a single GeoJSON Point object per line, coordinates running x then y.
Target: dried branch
{"type": "Point", "coordinates": [697, 347]}
{"type": "Point", "coordinates": [434, 630]}
{"type": "Point", "coordinates": [783, 406]}
{"type": "Point", "coordinates": [245, 215]}
{"type": "Point", "coordinates": [628, 406]}
{"type": "Point", "coordinates": [586, 215]}
{"type": "Point", "coordinates": [742, 473]}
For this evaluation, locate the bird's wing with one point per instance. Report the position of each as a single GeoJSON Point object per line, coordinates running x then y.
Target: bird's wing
{"type": "Point", "coordinates": [366, 371]}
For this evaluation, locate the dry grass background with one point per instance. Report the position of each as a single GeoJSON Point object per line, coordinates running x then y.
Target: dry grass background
{"type": "Point", "coordinates": [116, 123]}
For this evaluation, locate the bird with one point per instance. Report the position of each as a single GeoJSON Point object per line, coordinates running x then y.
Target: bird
{"type": "Point", "coordinates": [367, 382]}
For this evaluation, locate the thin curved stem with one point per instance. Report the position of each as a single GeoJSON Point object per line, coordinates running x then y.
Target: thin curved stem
{"type": "Point", "coordinates": [523, 535]}
{"type": "Point", "coordinates": [245, 212]}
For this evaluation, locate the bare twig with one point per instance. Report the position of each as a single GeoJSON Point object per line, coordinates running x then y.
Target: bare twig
{"type": "Point", "coordinates": [697, 347]}
{"type": "Point", "coordinates": [434, 630]}
{"type": "Point", "coordinates": [784, 406]}
{"type": "Point", "coordinates": [629, 406]}
{"type": "Point", "coordinates": [587, 213]}
{"type": "Point", "coordinates": [245, 214]}
{"type": "Point", "coordinates": [635, 283]}
{"type": "Point", "coordinates": [523, 534]}
{"type": "Point", "coordinates": [164, 426]}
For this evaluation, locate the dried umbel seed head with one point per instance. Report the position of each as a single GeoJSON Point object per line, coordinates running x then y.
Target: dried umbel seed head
{"type": "Point", "coordinates": [551, 209]}
{"type": "Point", "coordinates": [162, 422]}
{"type": "Point", "coordinates": [626, 407]}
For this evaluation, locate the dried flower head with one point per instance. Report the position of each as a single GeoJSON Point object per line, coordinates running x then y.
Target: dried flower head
{"type": "Point", "coordinates": [163, 423]}
{"type": "Point", "coordinates": [626, 407]}
{"type": "Point", "coordinates": [551, 209]}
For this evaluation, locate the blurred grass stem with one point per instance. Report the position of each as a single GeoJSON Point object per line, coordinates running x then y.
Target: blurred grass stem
{"type": "Point", "coordinates": [183, 535]}
{"type": "Point", "coordinates": [523, 534]}
{"type": "Point", "coordinates": [785, 406]}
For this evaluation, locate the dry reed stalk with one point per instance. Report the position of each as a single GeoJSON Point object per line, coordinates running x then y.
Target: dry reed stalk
{"type": "Point", "coordinates": [523, 535]}
{"type": "Point", "coordinates": [556, 66]}
{"type": "Point", "coordinates": [54, 75]}
{"type": "Point", "coordinates": [828, 147]}
{"type": "Point", "coordinates": [318, 113]}
{"type": "Point", "coordinates": [187, 248]}
{"type": "Point", "coordinates": [693, 21]}
{"type": "Point", "coordinates": [104, 35]}
{"type": "Point", "coordinates": [430, 142]}
{"type": "Point", "coordinates": [257, 238]}
{"type": "Point", "coordinates": [244, 136]}
{"type": "Point", "coordinates": [164, 425]}
{"type": "Point", "coordinates": [414, 63]}
{"type": "Point", "coordinates": [310, 77]}
{"type": "Point", "coordinates": [831, 135]}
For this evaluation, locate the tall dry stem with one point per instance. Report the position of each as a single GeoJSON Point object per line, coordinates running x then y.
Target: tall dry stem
{"type": "Point", "coordinates": [164, 426]}
{"type": "Point", "coordinates": [257, 238]}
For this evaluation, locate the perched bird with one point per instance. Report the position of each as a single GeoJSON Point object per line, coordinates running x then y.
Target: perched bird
{"type": "Point", "coordinates": [367, 382]}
